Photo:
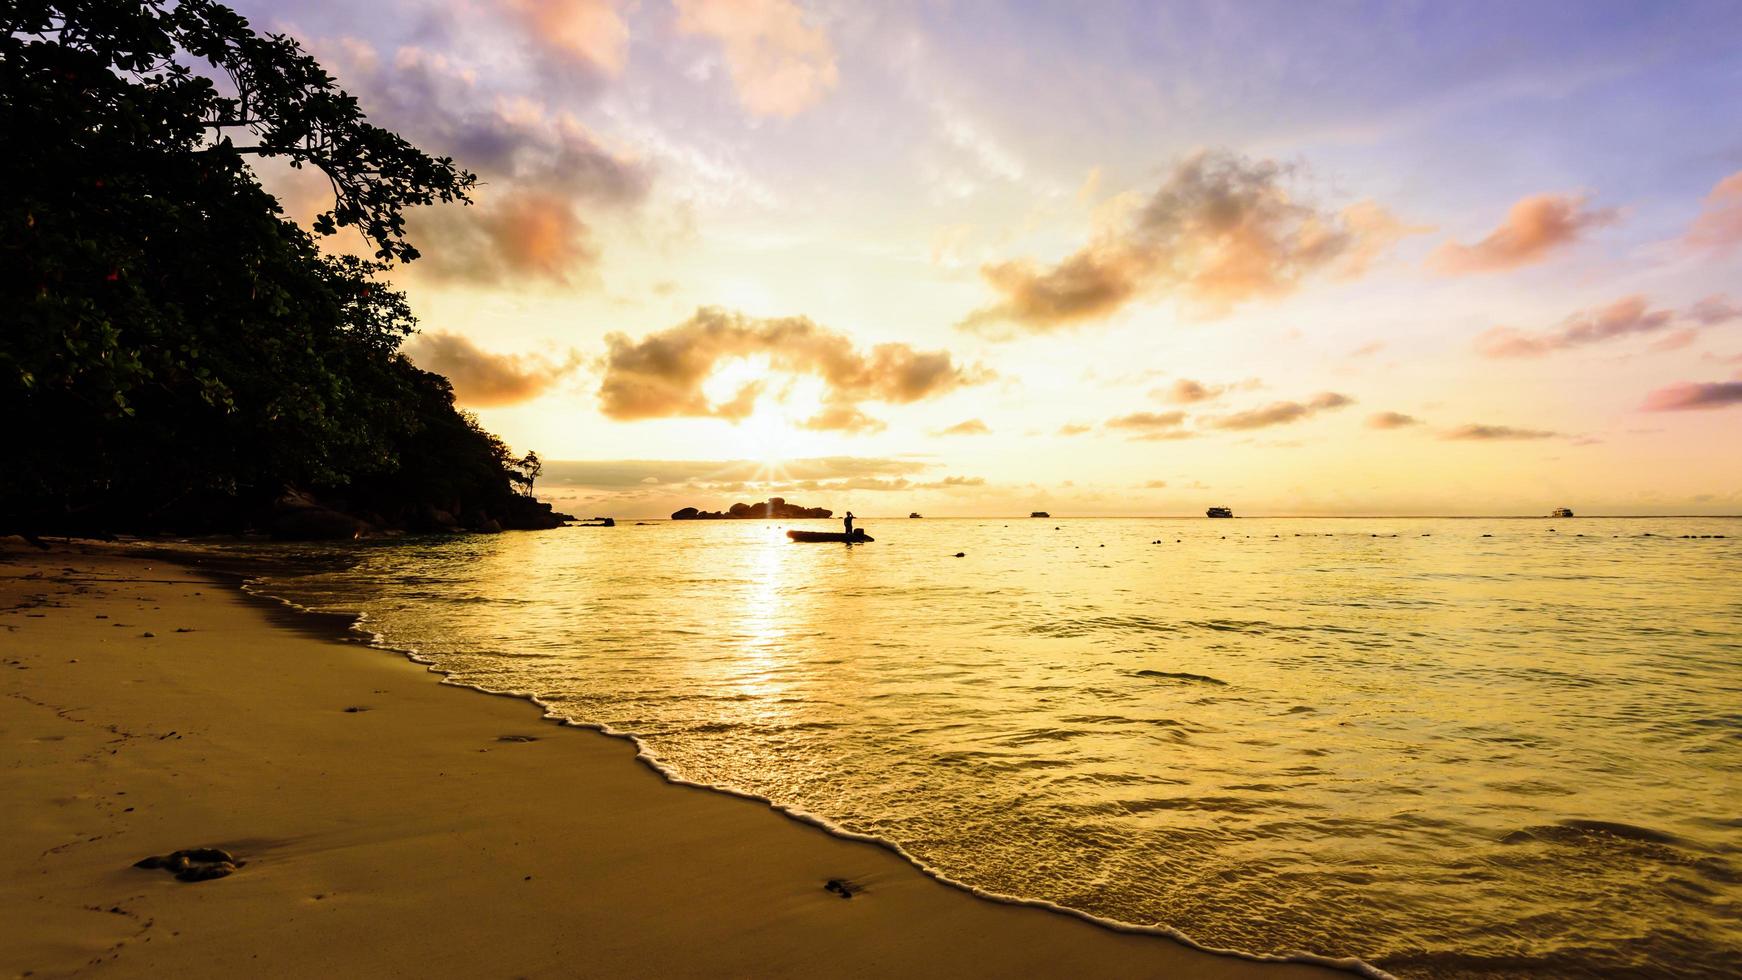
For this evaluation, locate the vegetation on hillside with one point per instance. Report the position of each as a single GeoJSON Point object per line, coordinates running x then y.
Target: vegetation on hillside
{"type": "Point", "coordinates": [174, 353]}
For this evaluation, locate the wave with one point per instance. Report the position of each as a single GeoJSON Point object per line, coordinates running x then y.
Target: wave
{"type": "Point", "coordinates": [644, 755]}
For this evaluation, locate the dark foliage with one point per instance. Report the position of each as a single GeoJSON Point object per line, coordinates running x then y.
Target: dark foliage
{"type": "Point", "coordinates": [174, 354]}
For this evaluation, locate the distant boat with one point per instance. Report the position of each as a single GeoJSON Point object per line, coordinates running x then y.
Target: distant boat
{"type": "Point", "coordinates": [1562, 512]}
{"type": "Point", "coordinates": [913, 516]}
{"type": "Point", "coordinates": [1218, 512]}
{"type": "Point", "coordinates": [1040, 513]}
{"type": "Point", "coordinates": [857, 537]}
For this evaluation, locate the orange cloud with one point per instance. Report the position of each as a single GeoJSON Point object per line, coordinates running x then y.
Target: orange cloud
{"type": "Point", "coordinates": [522, 235]}
{"type": "Point", "coordinates": [1692, 395]}
{"type": "Point", "coordinates": [661, 375]}
{"type": "Point", "coordinates": [971, 427]}
{"type": "Point", "coordinates": [1185, 391]}
{"type": "Point", "coordinates": [591, 31]}
{"type": "Point", "coordinates": [1391, 420]}
{"type": "Point", "coordinates": [1477, 432]}
{"type": "Point", "coordinates": [1144, 421]}
{"type": "Point", "coordinates": [1535, 228]}
{"type": "Point", "coordinates": [1219, 231]}
{"type": "Point", "coordinates": [780, 65]}
{"type": "Point", "coordinates": [1281, 413]}
{"type": "Point", "coordinates": [1719, 226]}
{"type": "Point", "coordinates": [481, 378]}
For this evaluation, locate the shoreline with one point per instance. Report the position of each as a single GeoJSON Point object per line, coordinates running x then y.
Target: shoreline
{"type": "Point", "coordinates": [656, 876]}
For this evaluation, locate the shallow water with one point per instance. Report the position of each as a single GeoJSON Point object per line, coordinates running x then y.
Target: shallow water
{"type": "Point", "coordinates": [1449, 754]}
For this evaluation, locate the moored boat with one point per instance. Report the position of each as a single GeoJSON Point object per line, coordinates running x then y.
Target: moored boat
{"type": "Point", "coordinates": [857, 537]}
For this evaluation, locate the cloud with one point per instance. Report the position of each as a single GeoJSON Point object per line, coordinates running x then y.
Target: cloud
{"type": "Point", "coordinates": [1154, 485]}
{"type": "Point", "coordinates": [1713, 310]}
{"type": "Point", "coordinates": [1147, 421]}
{"type": "Point", "coordinates": [1629, 316]}
{"type": "Point", "coordinates": [1476, 432]}
{"type": "Point", "coordinates": [1391, 420]}
{"type": "Point", "coordinates": [832, 418]}
{"type": "Point", "coordinates": [1280, 413]}
{"type": "Point", "coordinates": [1535, 228]}
{"type": "Point", "coordinates": [1074, 429]}
{"type": "Point", "coordinates": [591, 31]}
{"type": "Point", "coordinates": [521, 236]}
{"type": "Point", "coordinates": [780, 65]}
{"type": "Point", "coordinates": [541, 170]}
{"type": "Point", "coordinates": [1368, 349]}
{"type": "Point", "coordinates": [481, 378]}
{"type": "Point", "coordinates": [1694, 395]}
{"type": "Point", "coordinates": [971, 427]}
{"type": "Point", "coordinates": [1719, 226]}
{"type": "Point", "coordinates": [1220, 230]}
{"type": "Point", "coordinates": [662, 374]}
{"type": "Point", "coordinates": [1185, 391]}
{"type": "Point", "coordinates": [631, 473]}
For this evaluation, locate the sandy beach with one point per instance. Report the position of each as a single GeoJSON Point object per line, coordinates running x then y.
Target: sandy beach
{"type": "Point", "coordinates": [388, 824]}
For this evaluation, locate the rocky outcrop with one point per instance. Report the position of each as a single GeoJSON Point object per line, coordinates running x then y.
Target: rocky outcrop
{"type": "Point", "coordinates": [774, 507]}
{"type": "Point", "coordinates": [317, 524]}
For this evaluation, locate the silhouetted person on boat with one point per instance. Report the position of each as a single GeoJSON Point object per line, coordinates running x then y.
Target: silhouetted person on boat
{"type": "Point", "coordinates": [848, 520]}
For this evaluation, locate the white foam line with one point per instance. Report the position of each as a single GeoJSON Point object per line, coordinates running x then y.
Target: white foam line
{"type": "Point", "coordinates": [643, 754]}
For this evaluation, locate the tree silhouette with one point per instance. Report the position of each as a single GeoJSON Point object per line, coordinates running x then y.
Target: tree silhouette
{"type": "Point", "coordinates": [174, 352]}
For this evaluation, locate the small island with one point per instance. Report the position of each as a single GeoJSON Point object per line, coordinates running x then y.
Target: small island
{"type": "Point", "coordinates": [1040, 513]}
{"type": "Point", "coordinates": [773, 507]}
{"type": "Point", "coordinates": [1219, 512]}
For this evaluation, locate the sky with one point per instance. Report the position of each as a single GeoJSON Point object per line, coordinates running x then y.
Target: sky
{"type": "Point", "coordinates": [973, 258]}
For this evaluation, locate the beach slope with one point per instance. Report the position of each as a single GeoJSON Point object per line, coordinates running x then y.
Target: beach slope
{"type": "Point", "coordinates": [392, 825]}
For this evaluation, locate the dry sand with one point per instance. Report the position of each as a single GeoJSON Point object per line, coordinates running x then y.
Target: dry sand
{"type": "Point", "coordinates": [393, 825]}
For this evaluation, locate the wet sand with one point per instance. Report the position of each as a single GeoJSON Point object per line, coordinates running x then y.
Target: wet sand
{"type": "Point", "coordinates": [389, 824]}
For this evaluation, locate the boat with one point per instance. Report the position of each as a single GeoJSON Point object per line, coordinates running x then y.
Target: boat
{"type": "Point", "coordinates": [857, 537]}
{"type": "Point", "coordinates": [1040, 513]}
{"type": "Point", "coordinates": [1218, 512]}
{"type": "Point", "coordinates": [1562, 512]}
{"type": "Point", "coordinates": [913, 516]}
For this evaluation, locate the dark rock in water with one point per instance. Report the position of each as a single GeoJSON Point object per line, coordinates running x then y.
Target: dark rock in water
{"type": "Point", "coordinates": [961, 554]}
{"type": "Point", "coordinates": [194, 863]}
{"type": "Point", "coordinates": [316, 524]}
{"type": "Point", "coordinates": [774, 507]}
{"type": "Point", "coordinates": [599, 522]}
{"type": "Point", "coordinates": [208, 855]}
{"type": "Point", "coordinates": [206, 872]}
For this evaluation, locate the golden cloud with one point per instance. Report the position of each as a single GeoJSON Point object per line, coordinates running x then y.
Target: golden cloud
{"type": "Point", "coordinates": [482, 378]}
{"type": "Point", "coordinates": [662, 375]}
{"type": "Point", "coordinates": [1281, 413]}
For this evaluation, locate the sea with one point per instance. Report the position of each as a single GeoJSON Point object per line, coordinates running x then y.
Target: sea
{"type": "Point", "coordinates": [1448, 747]}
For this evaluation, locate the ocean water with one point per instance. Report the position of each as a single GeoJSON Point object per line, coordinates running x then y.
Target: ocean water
{"type": "Point", "coordinates": [1452, 748]}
